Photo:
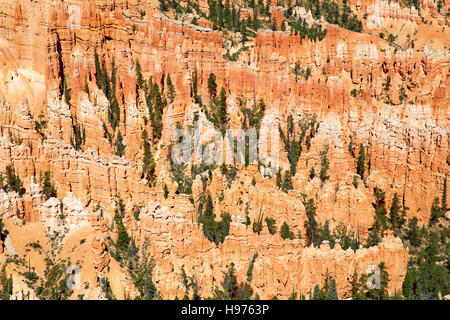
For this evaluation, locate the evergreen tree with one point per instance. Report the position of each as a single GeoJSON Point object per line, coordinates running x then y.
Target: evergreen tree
{"type": "Point", "coordinates": [120, 147]}
{"type": "Point", "coordinates": [6, 285]}
{"type": "Point", "coordinates": [408, 283]}
{"type": "Point", "coordinates": [166, 191]}
{"type": "Point", "coordinates": [395, 219]}
{"type": "Point", "coordinates": [413, 233]}
{"type": "Point", "coordinates": [47, 188]}
{"type": "Point", "coordinates": [444, 197]}
{"type": "Point", "coordinates": [297, 70]}
{"type": "Point", "coordinates": [318, 294]}
{"type": "Point", "coordinates": [139, 77]}
{"type": "Point", "coordinates": [105, 81]}
{"type": "Point", "coordinates": [286, 232]}
{"type": "Point", "coordinates": [217, 112]}
{"type": "Point", "coordinates": [230, 283]}
{"type": "Point", "coordinates": [98, 70]}
{"type": "Point", "coordinates": [244, 32]}
{"type": "Point", "coordinates": [13, 181]}
{"type": "Point", "coordinates": [123, 239]}
{"type": "Point", "coordinates": [222, 114]}
{"type": "Point", "coordinates": [149, 165]}
{"type": "Point", "coordinates": [214, 231]}
{"type": "Point", "coordinates": [212, 85]}
{"type": "Point", "coordinates": [380, 224]}
{"type": "Point", "coordinates": [171, 90]}
{"type": "Point", "coordinates": [271, 225]}
{"type": "Point", "coordinates": [155, 105]}
{"type": "Point", "coordinates": [331, 293]}
{"type": "Point", "coordinates": [311, 225]}
{"type": "Point", "coordinates": [287, 182]}
{"type": "Point", "coordinates": [325, 164]}
{"type": "Point", "coordinates": [67, 90]}
{"type": "Point", "coordinates": [361, 160]}
{"type": "Point", "coordinates": [436, 211]}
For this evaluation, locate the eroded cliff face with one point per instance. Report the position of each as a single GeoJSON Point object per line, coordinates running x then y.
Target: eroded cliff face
{"type": "Point", "coordinates": [392, 98]}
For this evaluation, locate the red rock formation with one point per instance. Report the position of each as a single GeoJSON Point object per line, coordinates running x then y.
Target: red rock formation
{"type": "Point", "coordinates": [391, 98]}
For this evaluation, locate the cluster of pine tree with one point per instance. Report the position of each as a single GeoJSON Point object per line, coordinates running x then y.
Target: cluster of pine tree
{"type": "Point", "coordinates": [327, 292]}
{"type": "Point", "coordinates": [6, 284]}
{"type": "Point", "coordinates": [231, 288]}
{"type": "Point", "coordinates": [333, 12]}
{"type": "Point", "coordinates": [214, 231]}
{"type": "Point", "coordinates": [395, 221]}
{"type": "Point", "coordinates": [292, 145]}
{"type": "Point", "coordinates": [314, 32]}
{"type": "Point", "coordinates": [138, 262]}
{"type": "Point", "coordinates": [362, 289]}
{"type": "Point", "coordinates": [428, 275]}
{"type": "Point", "coordinates": [9, 181]}
{"type": "Point", "coordinates": [316, 233]}
{"type": "Point", "coordinates": [48, 189]}
{"type": "Point", "coordinates": [155, 100]}
{"type": "Point", "coordinates": [149, 164]}
{"type": "Point", "coordinates": [217, 112]}
{"type": "Point", "coordinates": [225, 15]}
{"type": "Point", "coordinates": [108, 85]}
{"type": "Point", "coordinates": [78, 138]}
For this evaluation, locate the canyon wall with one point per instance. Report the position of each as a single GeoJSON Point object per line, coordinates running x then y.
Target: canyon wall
{"type": "Point", "coordinates": [405, 126]}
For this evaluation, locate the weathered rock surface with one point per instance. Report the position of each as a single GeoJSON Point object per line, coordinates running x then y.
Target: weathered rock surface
{"type": "Point", "coordinates": [405, 126]}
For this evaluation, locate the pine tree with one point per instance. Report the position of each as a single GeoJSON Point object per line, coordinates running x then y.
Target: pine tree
{"type": "Point", "coordinates": [444, 197]}
{"type": "Point", "coordinates": [120, 147]}
{"type": "Point", "coordinates": [230, 283]}
{"type": "Point", "coordinates": [286, 232]}
{"type": "Point", "coordinates": [139, 77]}
{"type": "Point", "coordinates": [155, 104]}
{"type": "Point", "coordinates": [171, 90]}
{"type": "Point", "coordinates": [325, 164]}
{"type": "Point", "coordinates": [67, 90]}
{"type": "Point", "coordinates": [222, 112]}
{"type": "Point", "coordinates": [105, 83]}
{"type": "Point", "coordinates": [47, 188]}
{"type": "Point", "coordinates": [287, 182]}
{"type": "Point", "coordinates": [318, 294]}
{"type": "Point", "coordinates": [149, 165]}
{"type": "Point", "coordinates": [244, 32]}
{"type": "Point", "coordinates": [408, 284]}
{"type": "Point", "coordinates": [212, 86]}
{"type": "Point", "coordinates": [227, 15]}
{"type": "Point", "coordinates": [413, 233]}
{"type": "Point", "coordinates": [166, 191]}
{"type": "Point", "coordinates": [271, 225]}
{"type": "Point", "coordinates": [396, 221]}
{"type": "Point", "coordinates": [331, 293]}
{"type": "Point", "coordinates": [98, 70]}
{"type": "Point", "coordinates": [361, 160]}
{"type": "Point", "coordinates": [13, 181]}
{"type": "Point", "coordinates": [297, 70]}
{"type": "Point", "coordinates": [436, 211]}
{"type": "Point", "coordinates": [380, 224]}
{"type": "Point", "coordinates": [311, 225]}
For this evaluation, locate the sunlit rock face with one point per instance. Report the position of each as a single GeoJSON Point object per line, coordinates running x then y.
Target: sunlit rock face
{"type": "Point", "coordinates": [390, 98]}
